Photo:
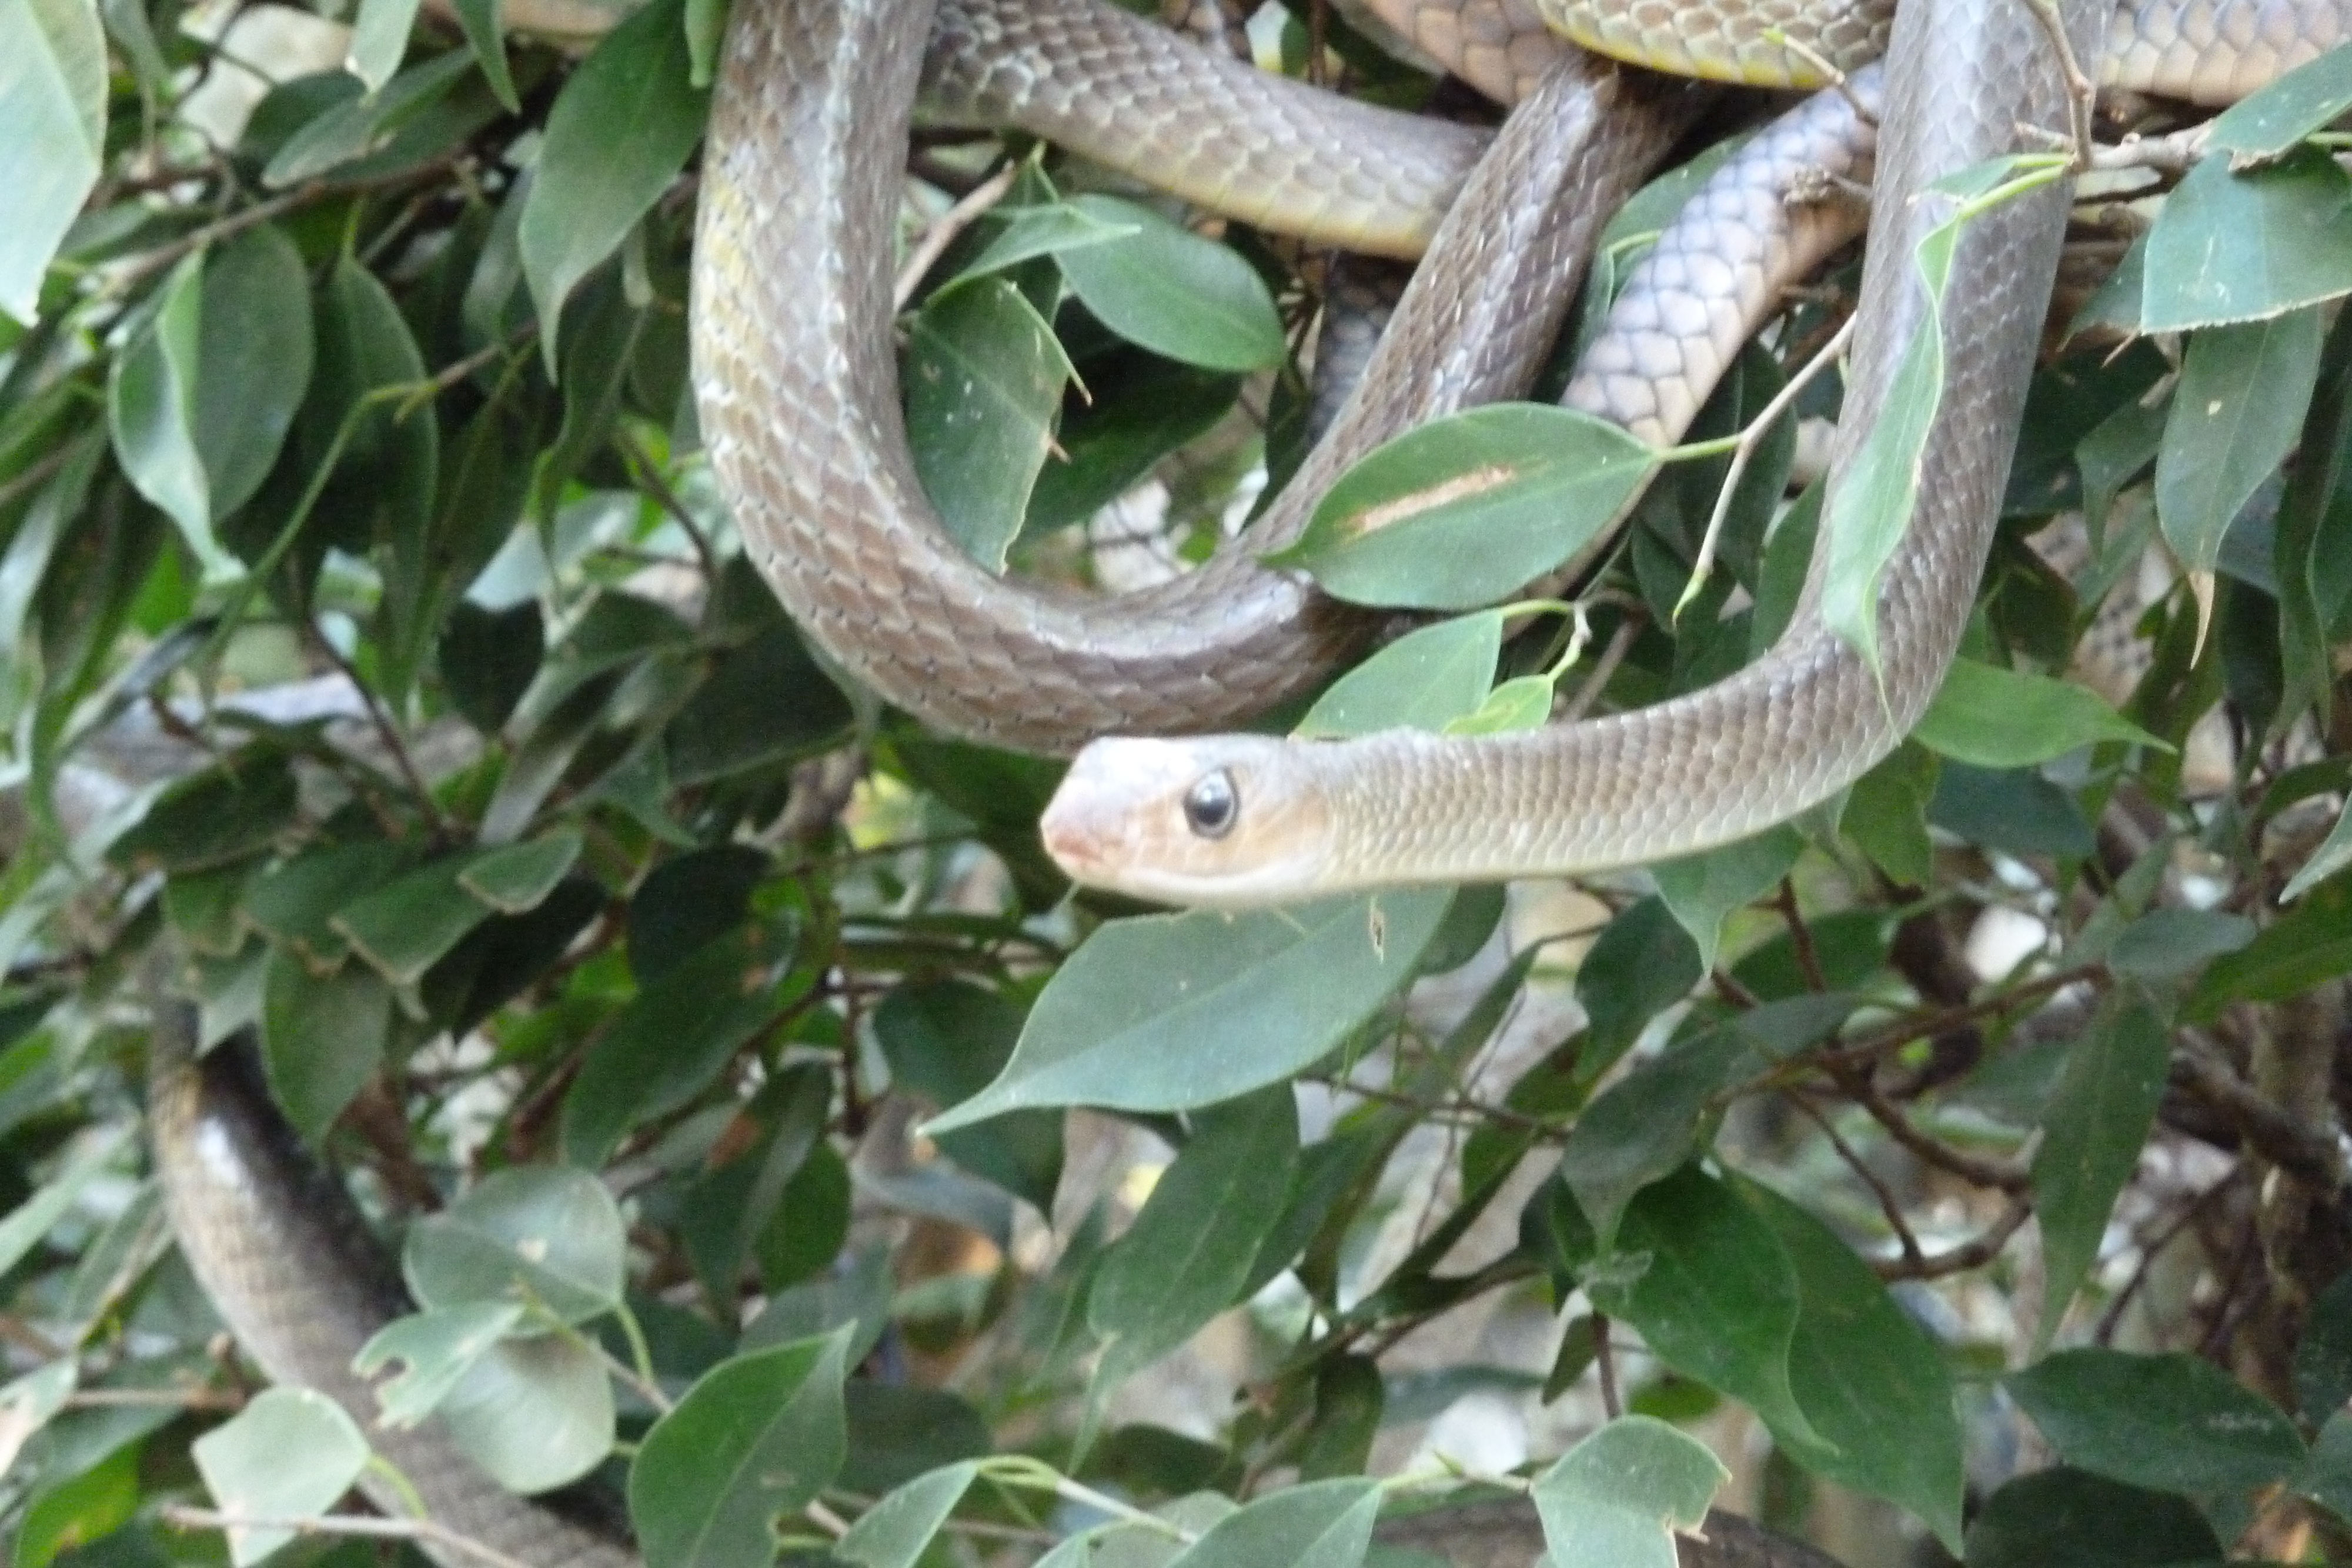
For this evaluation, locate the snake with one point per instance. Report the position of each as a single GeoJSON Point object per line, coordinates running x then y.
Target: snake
{"type": "Point", "coordinates": [277, 1243]}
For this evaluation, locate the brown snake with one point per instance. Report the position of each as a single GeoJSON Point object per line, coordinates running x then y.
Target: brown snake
{"type": "Point", "coordinates": [800, 407]}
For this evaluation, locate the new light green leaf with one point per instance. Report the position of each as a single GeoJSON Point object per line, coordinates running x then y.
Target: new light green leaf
{"type": "Point", "coordinates": [535, 1413]}
{"type": "Point", "coordinates": [1322, 1524]}
{"type": "Point", "coordinates": [1168, 1012]}
{"type": "Point", "coordinates": [1616, 1498]}
{"type": "Point", "coordinates": [547, 1236]}
{"type": "Point", "coordinates": [380, 40]}
{"type": "Point", "coordinates": [1465, 511]}
{"type": "Point", "coordinates": [1424, 680]}
{"type": "Point", "coordinates": [1991, 717]}
{"type": "Point", "coordinates": [618, 134]}
{"type": "Point", "coordinates": [1524, 702]}
{"type": "Point", "coordinates": [895, 1532]}
{"type": "Point", "coordinates": [290, 1453]}
{"type": "Point", "coordinates": [436, 1347]}
{"type": "Point", "coordinates": [53, 101]}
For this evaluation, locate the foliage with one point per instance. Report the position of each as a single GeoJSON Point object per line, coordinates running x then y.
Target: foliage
{"type": "Point", "coordinates": [388, 653]}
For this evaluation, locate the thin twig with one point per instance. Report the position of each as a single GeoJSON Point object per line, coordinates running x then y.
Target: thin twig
{"type": "Point", "coordinates": [1969, 1254]}
{"type": "Point", "coordinates": [2171, 153]}
{"type": "Point", "coordinates": [1856, 1085]}
{"type": "Point", "coordinates": [1888, 1206]}
{"type": "Point", "coordinates": [1828, 70]}
{"type": "Point", "coordinates": [649, 474]}
{"type": "Point", "coordinates": [380, 718]}
{"type": "Point", "coordinates": [342, 1524]}
{"type": "Point", "coordinates": [1750, 438]}
{"type": "Point", "coordinates": [2081, 91]}
{"type": "Point", "coordinates": [1602, 669]}
{"type": "Point", "coordinates": [944, 229]}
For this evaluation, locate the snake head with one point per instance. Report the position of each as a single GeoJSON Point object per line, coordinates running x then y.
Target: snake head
{"type": "Point", "coordinates": [1223, 820]}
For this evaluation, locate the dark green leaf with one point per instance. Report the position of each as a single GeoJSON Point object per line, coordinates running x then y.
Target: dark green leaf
{"type": "Point", "coordinates": [485, 24]}
{"type": "Point", "coordinates": [364, 125]}
{"type": "Point", "coordinates": [488, 659]}
{"type": "Point", "coordinates": [945, 1039]}
{"type": "Point", "coordinates": [2323, 1357]}
{"type": "Point", "coordinates": [763, 703]}
{"type": "Point", "coordinates": [895, 1532]}
{"type": "Point", "coordinates": [2063, 1517]}
{"type": "Point", "coordinates": [2015, 809]}
{"type": "Point", "coordinates": [2310, 944]}
{"type": "Point", "coordinates": [1703, 890]}
{"type": "Point", "coordinates": [253, 362]}
{"type": "Point", "coordinates": [219, 816]}
{"type": "Point", "coordinates": [2169, 1423]}
{"type": "Point", "coordinates": [1886, 815]}
{"type": "Point", "coordinates": [2266, 123]}
{"type": "Point", "coordinates": [1641, 964]}
{"type": "Point", "coordinates": [687, 902]}
{"type": "Point", "coordinates": [151, 406]}
{"type": "Point", "coordinates": [2091, 1133]}
{"type": "Point", "coordinates": [380, 39]}
{"type": "Point", "coordinates": [1190, 1250]}
{"type": "Point", "coordinates": [1644, 1128]}
{"type": "Point", "coordinates": [2165, 943]}
{"type": "Point", "coordinates": [1109, 444]}
{"type": "Point", "coordinates": [322, 1037]}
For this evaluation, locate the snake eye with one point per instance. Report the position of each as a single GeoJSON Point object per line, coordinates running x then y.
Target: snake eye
{"type": "Point", "coordinates": [1211, 804]}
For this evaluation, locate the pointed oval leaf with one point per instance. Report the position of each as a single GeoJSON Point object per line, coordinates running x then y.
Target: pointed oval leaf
{"type": "Point", "coordinates": [1468, 509]}
{"type": "Point", "coordinates": [543, 1235]}
{"type": "Point", "coordinates": [1423, 680]}
{"type": "Point", "coordinates": [288, 1454]}
{"type": "Point", "coordinates": [2092, 1135]}
{"type": "Point", "coordinates": [756, 1436]}
{"type": "Point", "coordinates": [2169, 1423]}
{"type": "Point", "coordinates": [1169, 290]}
{"type": "Point", "coordinates": [895, 1532]}
{"type": "Point", "coordinates": [1171, 1011]}
{"type": "Point", "coordinates": [983, 373]}
{"type": "Point", "coordinates": [53, 100]}
{"type": "Point", "coordinates": [1992, 718]}
{"type": "Point", "coordinates": [437, 1348]}
{"type": "Point", "coordinates": [2244, 390]}
{"type": "Point", "coordinates": [1322, 1524]}
{"type": "Point", "coordinates": [2233, 247]}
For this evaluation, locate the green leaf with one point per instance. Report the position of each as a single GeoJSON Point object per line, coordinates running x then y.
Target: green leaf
{"type": "Point", "coordinates": [2166, 943]}
{"type": "Point", "coordinates": [669, 1042]}
{"type": "Point", "coordinates": [405, 927]}
{"type": "Point", "coordinates": [618, 134]}
{"type": "Point", "coordinates": [2325, 1477]}
{"type": "Point", "coordinates": [2266, 123]}
{"type": "Point", "coordinates": [1467, 509]}
{"type": "Point", "coordinates": [365, 125]}
{"type": "Point", "coordinates": [1641, 964]}
{"type": "Point", "coordinates": [2169, 1423]}
{"type": "Point", "coordinates": [1187, 1254]}
{"type": "Point", "coordinates": [545, 1235]}
{"type": "Point", "coordinates": [764, 702]}
{"type": "Point", "coordinates": [2323, 1357]}
{"type": "Point", "coordinates": [535, 1413]}
{"type": "Point", "coordinates": [1172, 292]}
{"type": "Point", "coordinates": [1615, 1500]}
{"type": "Point", "coordinates": [216, 817]}
{"type": "Point", "coordinates": [484, 22]}
{"type": "Point", "coordinates": [80, 1511]}
{"type": "Point", "coordinates": [945, 1039]}
{"type": "Point", "coordinates": [2241, 397]}
{"type": "Point", "coordinates": [380, 40]}
{"type": "Point", "coordinates": [1321, 1524]}
{"type": "Point", "coordinates": [34, 1218]}
{"type": "Point", "coordinates": [1718, 1300]}
{"type": "Point", "coordinates": [289, 1453]}
{"type": "Point", "coordinates": [1875, 1388]}
{"type": "Point", "coordinates": [53, 100]}
{"type": "Point", "coordinates": [1644, 1128]}
{"type": "Point", "coordinates": [2233, 247]}
{"type": "Point", "coordinates": [1886, 815]}
{"type": "Point", "coordinates": [1703, 890]}
{"type": "Point", "coordinates": [898, 1432]}
{"type": "Point", "coordinates": [322, 1037]}
{"type": "Point", "coordinates": [983, 373]}
{"type": "Point", "coordinates": [1171, 1011]}
{"type": "Point", "coordinates": [758, 1434]}
{"type": "Point", "coordinates": [1107, 445]}
{"type": "Point", "coordinates": [1424, 680]}
{"type": "Point", "coordinates": [1048, 228]}
{"type": "Point", "coordinates": [437, 1348]}
{"type": "Point", "coordinates": [514, 879]}
{"type": "Point", "coordinates": [2310, 944]}
{"type": "Point", "coordinates": [2062, 1517]}
{"type": "Point", "coordinates": [150, 407]}
{"type": "Point", "coordinates": [2012, 808]}
{"type": "Point", "coordinates": [488, 659]}
{"type": "Point", "coordinates": [895, 1532]}
{"type": "Point", "coordinates": [1992, 718]}
{"type": "Point", "coordinates": [253, 362]}
{"type": "Point", "coordinates": [1524, 702]}
{"type": "Point", "coordinates": [2096, 1122]}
